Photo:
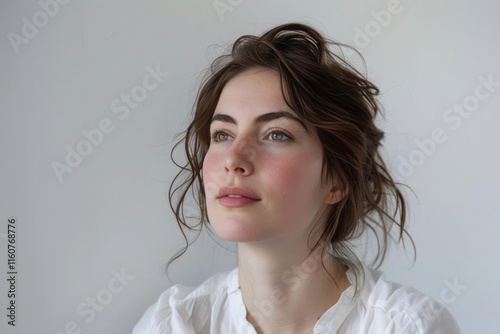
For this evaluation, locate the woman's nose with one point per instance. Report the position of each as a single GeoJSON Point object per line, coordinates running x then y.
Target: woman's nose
{"type": "Point", "coordinates": [241, 157]}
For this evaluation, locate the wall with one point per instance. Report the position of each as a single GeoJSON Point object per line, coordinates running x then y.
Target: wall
{"type": "Point", "coordinates": [94, 229]}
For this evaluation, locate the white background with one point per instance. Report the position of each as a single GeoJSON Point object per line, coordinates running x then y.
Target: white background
{"type": "Point", "coordinates": [111, 213]}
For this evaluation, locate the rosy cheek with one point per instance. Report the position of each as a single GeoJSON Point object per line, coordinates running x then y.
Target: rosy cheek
{"type": "Point", "coordinates": [213, 175]}
{"type": "Point", "coordinates": [209, 163]}
{"type": "Point", "coordinates": [208, 174]}
{"type": "Point", "coordinates": [297, 177]}
{"type": "Point", "coordinates": [288, 173]}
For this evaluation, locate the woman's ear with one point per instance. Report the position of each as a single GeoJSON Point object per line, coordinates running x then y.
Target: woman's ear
{"type": "Point", "coordinates": [336, 193]}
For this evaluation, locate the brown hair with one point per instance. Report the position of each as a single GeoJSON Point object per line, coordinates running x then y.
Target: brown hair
{"type": "Point", "coordinates": [332, 97]}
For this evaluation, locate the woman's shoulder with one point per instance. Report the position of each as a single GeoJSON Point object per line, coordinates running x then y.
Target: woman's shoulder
{"type": "Point", "coordinates": [179, 303]}
{"type": "Point", "coordinates": [404, 309]}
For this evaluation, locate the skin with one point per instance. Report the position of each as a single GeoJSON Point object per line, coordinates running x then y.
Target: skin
{"type": "Point", "coordinates": [279, 161]}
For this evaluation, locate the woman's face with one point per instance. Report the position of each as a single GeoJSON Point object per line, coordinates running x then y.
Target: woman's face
{"type": "Point", "coordinates": [262, 171]}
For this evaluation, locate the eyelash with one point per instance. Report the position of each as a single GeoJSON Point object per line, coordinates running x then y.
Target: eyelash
{"type": "Point", "coordinates": [216, 133]}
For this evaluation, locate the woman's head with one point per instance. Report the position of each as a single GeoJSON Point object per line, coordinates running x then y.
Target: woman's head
{"type": "Point", "coordinates": [262, 170]}
{"type": "Point", "coordinates": [289, 68]}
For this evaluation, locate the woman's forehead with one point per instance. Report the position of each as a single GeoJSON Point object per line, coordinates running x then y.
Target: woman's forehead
{"type": "Point", "coordinates": [253, 92]}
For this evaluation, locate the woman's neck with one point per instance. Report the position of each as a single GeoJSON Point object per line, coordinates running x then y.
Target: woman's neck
{"type": "Point", "coordinates": [285, 290]}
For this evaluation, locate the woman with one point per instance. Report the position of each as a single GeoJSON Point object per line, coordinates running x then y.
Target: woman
{"type": "Point", "coordinates": [283, 158]}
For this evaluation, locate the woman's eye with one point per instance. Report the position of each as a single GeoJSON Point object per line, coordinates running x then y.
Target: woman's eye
{"type": "Point", "coordinates": [278, 136]}
{"type": "Point", "coordinates": [218, 136]}
{"type": "Point", "coordinates": [275, 135]}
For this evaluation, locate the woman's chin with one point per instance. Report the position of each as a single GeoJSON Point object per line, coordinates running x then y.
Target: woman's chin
{"type": "Point", "coordinates": [238, 232]}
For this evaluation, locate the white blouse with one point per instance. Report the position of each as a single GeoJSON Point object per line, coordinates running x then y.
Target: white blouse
{"type": "Point", "coordinates": [216, 307]}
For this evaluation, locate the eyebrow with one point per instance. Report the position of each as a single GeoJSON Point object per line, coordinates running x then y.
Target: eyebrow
{"type": "Point", "coordinates": [264, 118]}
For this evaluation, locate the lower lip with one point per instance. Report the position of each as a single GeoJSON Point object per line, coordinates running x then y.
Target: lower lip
{"type": "Point", "coordinates": [234, 202]}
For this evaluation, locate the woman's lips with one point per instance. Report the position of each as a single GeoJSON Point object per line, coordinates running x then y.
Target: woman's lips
{"type": "Point", "coordinates": [236, 197]}
{"type": "Point", "coordinates": [233, 201]}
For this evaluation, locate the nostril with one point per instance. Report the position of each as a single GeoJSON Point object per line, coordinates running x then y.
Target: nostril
{"type": "Point", "coordinates": [240, 169]}
{"type": "Point", "coordinates": [237, 165]}
{"type": "Point", "coordinates": [235, 168]}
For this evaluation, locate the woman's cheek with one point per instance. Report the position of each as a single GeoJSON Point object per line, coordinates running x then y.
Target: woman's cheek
{"type": "Point", "coordinates": [287, 174]}
{"type": "Point", "coordinates": [209, 176]}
